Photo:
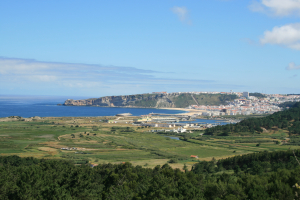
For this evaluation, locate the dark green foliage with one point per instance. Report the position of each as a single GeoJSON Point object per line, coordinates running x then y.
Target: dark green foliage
{"type": "Point", "coordinates": [257, 94]}
{"type": "Point", "coordinates": [16, 161]}
{"type": "Point", "coordinates": [29, 178]}
{"type": "Point", "coordinates": [204, 167]}
{"type": "Point", "coordinates": [173, 160]}
{"type": "Point", "coordinates": [277, 159]}
{"type": "Point", "coordinates": [287, 104]}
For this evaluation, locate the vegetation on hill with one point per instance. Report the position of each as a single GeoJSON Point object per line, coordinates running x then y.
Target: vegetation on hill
{"type": "Point", "coordinates": [186, 99]}
{"type": "Point", "coordinates": [286, 120]}
{"type": "Point", "coordinates": [257, 94]}
{"type": "Point", "coordinates": [177, 100]}
{"type": "Point", "coordinates": [253, 176]}
{"type": "Point", "coordinates": [214, 99]}
{"type": "Point", "coordinates": [149, 103]}
{"type": "Point", "coordinates": [263, 161]}
{"type": "Point", "coordinates": [182, 100]}
{"type": "Point", "coordinates": [288, 104]}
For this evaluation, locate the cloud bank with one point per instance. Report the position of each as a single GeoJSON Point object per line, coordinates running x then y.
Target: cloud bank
{"type": "Point", "coordinates": [287, 35]}
{"type": "Point", "coordinates": [33, 70]}
{"type": "Point", "coordinates": [84, 79]}
{"type": "Point", "coordinates": [277, 7]}
{"type": "Point", "coordinates": [182, 14]}
{"type": "Point", "coordinates": [292, 66]}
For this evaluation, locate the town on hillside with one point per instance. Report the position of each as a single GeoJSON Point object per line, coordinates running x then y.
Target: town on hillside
{"type": "Point", "coordinates": [246, 104]}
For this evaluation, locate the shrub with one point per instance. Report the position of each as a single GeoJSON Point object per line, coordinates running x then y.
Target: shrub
{"type": "Point", "coordinates": [173, 160]}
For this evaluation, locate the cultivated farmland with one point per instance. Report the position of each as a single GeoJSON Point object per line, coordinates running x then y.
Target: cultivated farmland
{"type": "Point", "coordinates": [89, 140]}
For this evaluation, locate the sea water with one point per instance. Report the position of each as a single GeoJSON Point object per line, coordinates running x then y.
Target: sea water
{"type": "Point", "coordinates": [46, 106]}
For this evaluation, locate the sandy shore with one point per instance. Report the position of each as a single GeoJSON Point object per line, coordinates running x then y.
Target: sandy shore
{"type": "Point", "coordinates": [189, 112]}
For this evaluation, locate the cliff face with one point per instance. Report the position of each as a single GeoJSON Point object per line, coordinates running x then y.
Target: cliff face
{"type": "Point", "coordinates": [157, 100]}
{"type": "Point", "coordinates": [171, 100]}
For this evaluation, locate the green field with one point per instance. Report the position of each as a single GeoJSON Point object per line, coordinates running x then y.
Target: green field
{"type": "Point", "coordinates": [98, 142]}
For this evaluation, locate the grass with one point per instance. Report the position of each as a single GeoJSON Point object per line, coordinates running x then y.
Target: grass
{"type": "Point", "coordinates": [96, 143]}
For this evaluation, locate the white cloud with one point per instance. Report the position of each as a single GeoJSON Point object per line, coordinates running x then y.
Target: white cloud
{"type": "Point", "coordinates": [48, 70]}
{"type": "Point", "coordinates": [256, 7]}
{"type": "Point", "coordinates": [277, 7]}
{"type": "Point", "coordinates": [25, 71]}
{"type": "Point", "coordinates": [25, 76]}
{"type": "Point", "coordinates": [182, 14]}
{"type": "Point", "coordinates": [292, 66]}
{"type": "Point", "coordinates": [288, 36]}
{"type": "Point", "coordinates": [42, 78]}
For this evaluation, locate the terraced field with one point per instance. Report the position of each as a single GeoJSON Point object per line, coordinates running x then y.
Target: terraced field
{"type": "Point", "coordinates": [98, 142]}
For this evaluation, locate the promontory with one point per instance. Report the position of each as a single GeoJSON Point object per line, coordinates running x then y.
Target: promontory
{"type": "Point", "coordinates": [155, 100]}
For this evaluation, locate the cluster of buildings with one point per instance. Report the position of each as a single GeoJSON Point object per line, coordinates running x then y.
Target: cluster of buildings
{"type": "Point", "coordinates": [178, 130]}
{"type": "Point", "coordinates": [245, 104]}
{"type": "Point", "coordinates": [248, 105]}
{"type": "Point", "coordinates": [172, 123]}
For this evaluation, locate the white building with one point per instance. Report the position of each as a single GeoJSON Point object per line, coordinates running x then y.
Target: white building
{"type": "Point", "coordinates": [206, 113]}
{"type": "Point", "coordinates": [246, 94]}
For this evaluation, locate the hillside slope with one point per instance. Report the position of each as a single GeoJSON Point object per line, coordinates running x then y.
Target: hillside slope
{"type": "Point", "coordinates": [287, 120]}
{"type": "Point", "coordinates": [171, 100]}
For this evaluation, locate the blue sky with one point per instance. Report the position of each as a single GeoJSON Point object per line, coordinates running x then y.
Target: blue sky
{"type": "Point", "coordinates": [98, 48]}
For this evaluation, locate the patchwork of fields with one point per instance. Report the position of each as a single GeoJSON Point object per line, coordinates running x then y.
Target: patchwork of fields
{"type": "Point", "coordinates": [97, 142]}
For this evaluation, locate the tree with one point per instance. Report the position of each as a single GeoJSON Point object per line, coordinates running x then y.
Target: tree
{"type": "Point", "coordinates": [185, 168]}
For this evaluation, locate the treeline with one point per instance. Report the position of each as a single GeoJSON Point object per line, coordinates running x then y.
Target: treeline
{"type": "Point", "coordinates": [255, 163]}
{"type": "Point", "coordinates": [29, 178]}
{"type": "Point", "coordinates": [268, 161]}
{"type": "Point", "coordinates": [287, 104]}
{"type": "Point", "coordinates": [257, 94]}
{"type": "Point", "coordinates": [287, 119]}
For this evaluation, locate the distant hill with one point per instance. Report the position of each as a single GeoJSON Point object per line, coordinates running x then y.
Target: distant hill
{"type": "Point", "coordinates": [167, 100]}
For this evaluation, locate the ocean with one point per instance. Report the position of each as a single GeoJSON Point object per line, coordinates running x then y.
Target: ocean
{"type": "Point", "coordinates": [46, 106]}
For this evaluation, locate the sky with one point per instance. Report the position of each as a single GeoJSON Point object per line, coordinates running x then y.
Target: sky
{"type": "Point", "coordinates": [96, 48]}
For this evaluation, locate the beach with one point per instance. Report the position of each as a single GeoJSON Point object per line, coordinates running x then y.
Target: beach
{"type": "Point", "coordinates": [189, 112]}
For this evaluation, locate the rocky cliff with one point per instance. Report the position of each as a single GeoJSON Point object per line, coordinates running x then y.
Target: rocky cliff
{"type": "Point", "coordinates": [169, 100]}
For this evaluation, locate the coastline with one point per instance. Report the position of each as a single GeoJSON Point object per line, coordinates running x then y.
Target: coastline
{"type": "Point", "coordinates": [189, 112]}
{"type": "Point", "coordinates": [51, 109]}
